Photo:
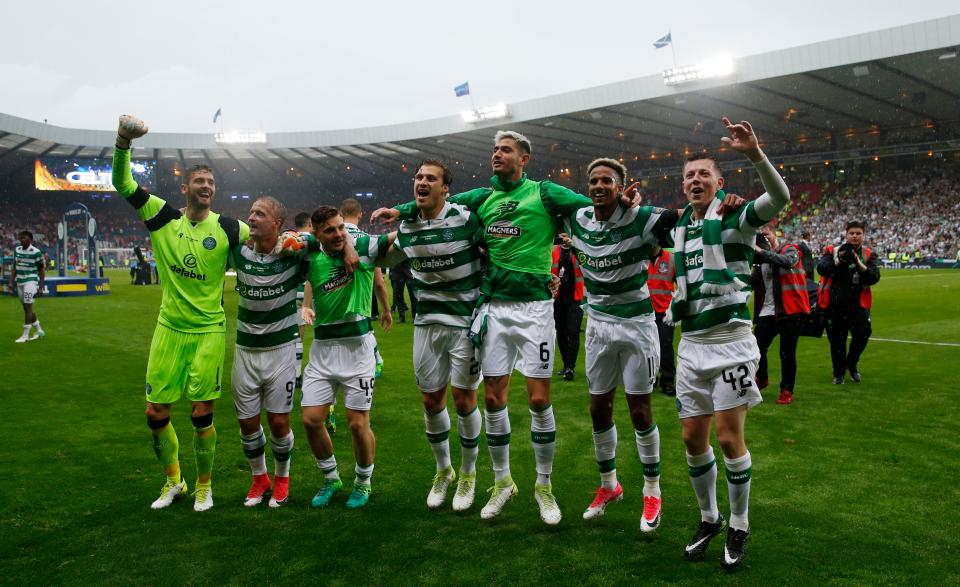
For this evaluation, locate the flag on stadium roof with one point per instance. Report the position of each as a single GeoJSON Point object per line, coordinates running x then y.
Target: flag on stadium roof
{"type": "Point", "coordinates": [217, 114]}
{"type": "Point", "coordinates": [662, 42]}
{"type": "Point", "coordinates": [462, 90]}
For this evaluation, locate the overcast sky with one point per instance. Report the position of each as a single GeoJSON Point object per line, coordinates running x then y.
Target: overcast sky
{"type": "Point", "coordinates": [283, 65]}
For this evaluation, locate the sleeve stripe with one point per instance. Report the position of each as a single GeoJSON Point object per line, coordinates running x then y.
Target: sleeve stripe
{"type": "Point", "coordinates": [139, 198]}
{"type": "Point", "coordinates": [165, 215]}
{"type": "Point", "coordinates": [231, 227]}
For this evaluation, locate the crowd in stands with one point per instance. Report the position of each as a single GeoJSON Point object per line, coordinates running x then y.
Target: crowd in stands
{"type": "Point", "coordinates": [907, 212]}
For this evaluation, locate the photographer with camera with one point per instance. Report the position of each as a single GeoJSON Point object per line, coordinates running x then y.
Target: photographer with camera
{"type": "Point", "coordinates": [780, 303]}
{"type": "Point", "coordinates": [846, 274]}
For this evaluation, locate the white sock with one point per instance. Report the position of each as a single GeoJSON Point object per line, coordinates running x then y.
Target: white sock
{"type": "Point", "coordinates": [281, 447]}
{"type": "Point", "coordinates": [438, 434]}
{"type": "Point", "coordinates": [498, 441]}
{"type": "Point", "coordinates": [605, 448]}
{"type": "Point", "coordinates": [543, 433]}
{"type": "Point", "coordinates": [253, 448]}
{"type": "Point", "coordinates": [469, 428]}
{"type": "Point", "coordinates": [36, 324]}
{"type": "Point", "coordinates": [26, 330]}
{"type": "Point", "coordinates": [739, 473]}
{"type": "Point", "coordinates": [703, 476]}
{"type": "Point", "coordinates": [648, 445]}
{"type": "Point", "coordinates": [329, 467]}
{"type": "Point", "coordinates": [363, 474]}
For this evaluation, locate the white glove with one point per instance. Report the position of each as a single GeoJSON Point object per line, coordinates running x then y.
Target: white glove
{"type": "Point", "coordinates": [130, 128]}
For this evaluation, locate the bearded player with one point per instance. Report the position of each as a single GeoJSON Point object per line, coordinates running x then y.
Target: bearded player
{"type": "Point", "coordinates": [186, 353]}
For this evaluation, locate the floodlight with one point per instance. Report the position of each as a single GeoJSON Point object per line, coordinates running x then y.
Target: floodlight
{"type": "Point", "coordinates": [485, 113]}
{"type": "Point", "coordinates": [240, 138]}
{"type": "Point", "coordinates": [719, 66]}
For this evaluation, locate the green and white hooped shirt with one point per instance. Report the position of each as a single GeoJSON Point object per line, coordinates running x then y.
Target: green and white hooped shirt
{"type": "Point", "coordinates": [445, 264]}
{"type": "Point", "coordinates": [613, 256]}
{"type": "Point", "coordinates": [28, 263]}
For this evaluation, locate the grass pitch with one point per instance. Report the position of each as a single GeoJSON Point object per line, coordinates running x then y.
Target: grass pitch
{"type": "Point", "coordinates": [853, 484]}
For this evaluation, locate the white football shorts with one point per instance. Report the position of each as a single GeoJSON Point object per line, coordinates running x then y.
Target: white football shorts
{"type": "Point", "coordinates": [520, 335]}
{"type": "Point", "coordinates": [264, 379]}
{"type": "Point", "coordinates": [27, 291]}
{"type": "Point", "coordinates": [348, 363]}
{"type": "Point", "coordinates": [443, 354]}
{"type": "Point", "coordinates": [716, 377]}
{"type": "Point", "coordinates": [622, 353]}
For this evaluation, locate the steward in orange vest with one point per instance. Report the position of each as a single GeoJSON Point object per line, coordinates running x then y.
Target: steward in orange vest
{"type": "Point", "coordinates": [846, 274]}
{"type": "Point", "coordinates": [660, 275]}
{"type": "Point", "coordinates": [780, 303]}
{"type": "Point", "coordinates": [567, 312]}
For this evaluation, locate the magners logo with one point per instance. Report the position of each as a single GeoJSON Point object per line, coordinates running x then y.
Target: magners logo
{"type": "Point", "coordinates": [503, 229]}
{"type": "Point", "coordinates": [339, 279]}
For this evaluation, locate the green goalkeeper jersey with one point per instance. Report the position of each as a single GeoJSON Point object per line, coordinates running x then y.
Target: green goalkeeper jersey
{"type": "Point", "coordinates": [191, 257]}
{"type": "Point", "coordinates": [341, 300]}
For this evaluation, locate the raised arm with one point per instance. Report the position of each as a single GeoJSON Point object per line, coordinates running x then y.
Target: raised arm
{"type": "Point", "coordinates": [128, 129]}
{"type": "Point", "coordinates": [744, 140]}
{"type": "Point", "coordinates": [154, 211]}
{"type": "Point", "coordinates": [408, 210]}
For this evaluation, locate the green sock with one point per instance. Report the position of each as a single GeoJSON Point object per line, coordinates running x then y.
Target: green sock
{"type": "Point", "coordinates": [205, 447]}
{"type": "Point", "coordinates": [167, 448]}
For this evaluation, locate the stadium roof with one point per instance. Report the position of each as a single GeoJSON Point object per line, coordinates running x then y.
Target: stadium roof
{"type": "Point", "coordinates": [873, 94]}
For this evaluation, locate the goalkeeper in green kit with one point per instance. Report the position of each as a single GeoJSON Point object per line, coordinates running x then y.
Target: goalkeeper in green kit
{"type": "Point", "coordinates": [186, 354]}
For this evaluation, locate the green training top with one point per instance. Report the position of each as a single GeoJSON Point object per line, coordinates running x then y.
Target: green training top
{"type": "Point", "coordinates": [341, 300]}
{"type": "Point", "coordinates": [520, 222]}
{"type": "Point", "coordinates": [191, 258]}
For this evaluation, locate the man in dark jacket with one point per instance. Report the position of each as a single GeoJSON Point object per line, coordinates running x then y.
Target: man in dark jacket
{"type": "Point", "coordinates": [846, 274]}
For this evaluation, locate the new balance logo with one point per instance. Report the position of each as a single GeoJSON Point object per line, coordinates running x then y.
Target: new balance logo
{"type": "Point", "coordinates": [507, 207]}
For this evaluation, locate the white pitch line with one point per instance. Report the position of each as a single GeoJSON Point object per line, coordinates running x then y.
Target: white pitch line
{"type": "Point", "coordinates": [915, 341]}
